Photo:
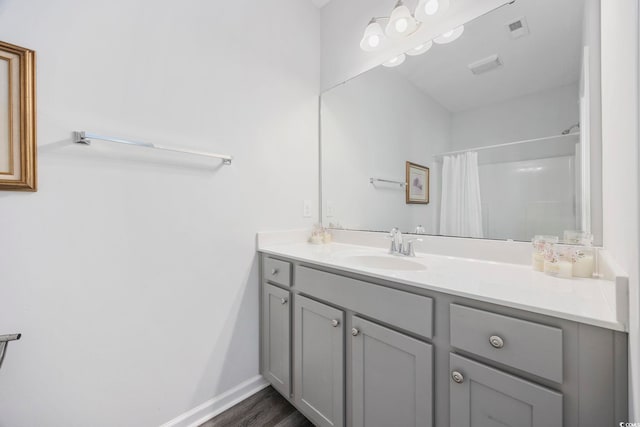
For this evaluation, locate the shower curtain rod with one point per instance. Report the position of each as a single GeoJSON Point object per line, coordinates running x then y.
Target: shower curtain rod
{"type": "Point", "coordinates": [508, 144]}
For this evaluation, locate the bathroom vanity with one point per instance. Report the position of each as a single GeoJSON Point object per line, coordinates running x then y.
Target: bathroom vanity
{"type": "Point", "coordinates": [353, 340]}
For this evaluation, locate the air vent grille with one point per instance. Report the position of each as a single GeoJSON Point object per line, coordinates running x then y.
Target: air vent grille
{"type": "Point", "coordinates": [518, 28]}
{"type": "Point", "coordinates": [485, 64]}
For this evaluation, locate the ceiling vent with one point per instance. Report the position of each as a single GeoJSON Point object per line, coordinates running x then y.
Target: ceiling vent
{"type": "Point", "coordinates": [485, 64]}
{"type": "Point", "coordinates": [518, 28]}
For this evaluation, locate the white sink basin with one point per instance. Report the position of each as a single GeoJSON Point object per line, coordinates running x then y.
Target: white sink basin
{"type": "Point", "coordinates": [384, 262]}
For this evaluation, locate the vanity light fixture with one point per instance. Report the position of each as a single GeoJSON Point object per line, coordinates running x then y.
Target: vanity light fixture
{"type": "Point", "coordinates": [401, 22]}
{"type": "Point", "coordinates": [395, 61]}
{"type": "Point", "coordinates": [449, 36]}
{"type": "Point", "coordinates": [420, 49]}
{"type": "Point", "coordinates": [373, 36]}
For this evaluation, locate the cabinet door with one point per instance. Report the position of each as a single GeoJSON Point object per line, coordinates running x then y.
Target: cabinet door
{"type": "Point", "coordinates": [481, 396]}
{"type": "Point", "coordinates": [319, 362]}
{"type": "Point", "coordinates": [392, 378]}
{"type": "Point", "coordinates": [276, 333]}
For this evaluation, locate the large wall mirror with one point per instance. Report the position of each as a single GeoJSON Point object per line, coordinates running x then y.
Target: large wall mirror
{"type": "Point", "coordinates": [506, 118]}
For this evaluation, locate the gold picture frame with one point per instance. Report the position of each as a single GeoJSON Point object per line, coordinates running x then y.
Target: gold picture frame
{"type": "Point", "coordinates": [17, 118]}
{"type": "Point", "coordinates": [417, 184]}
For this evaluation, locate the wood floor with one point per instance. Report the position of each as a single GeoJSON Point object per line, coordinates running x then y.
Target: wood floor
{"type": "Point", "coordinates": [267, 408]}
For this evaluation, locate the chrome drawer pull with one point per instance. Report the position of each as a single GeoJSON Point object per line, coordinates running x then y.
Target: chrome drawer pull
{"type": "Point", "coordinates": [274, 271]}
{"type": "Point", "coordinates": [496, 341]}
{"type": "Point", "coordinates": [457, 377]}
{"type": "Point", "coordinates": [355, 332]}
{"type": "Point", "coordinates": [283, 301]}
{"type": "Point", "coordinates": [335, 323]}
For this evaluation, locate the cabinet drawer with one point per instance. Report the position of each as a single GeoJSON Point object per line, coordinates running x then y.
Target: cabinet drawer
{"type": "Point", "coordinates": [277, 271]}
{"type": "Point", "coordinates": [483, 396]}
{"type": "Point", "coordinates": [524, 345]}
{"type": "Point", "coordinates": [413, 313]}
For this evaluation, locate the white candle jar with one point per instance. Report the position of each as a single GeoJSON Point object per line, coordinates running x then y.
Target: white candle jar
{"type": "Point", "coordinates": [574, 237]}
{"type": "Point", "coordinates": [584, 265]}
{"type": "Point", "coordinates": [559, 260]}
{"type": "Point", "coordinates": [540, 243]}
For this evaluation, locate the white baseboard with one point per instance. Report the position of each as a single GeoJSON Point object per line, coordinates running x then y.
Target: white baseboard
{"type": "Point", "coordinates": [218, 404]}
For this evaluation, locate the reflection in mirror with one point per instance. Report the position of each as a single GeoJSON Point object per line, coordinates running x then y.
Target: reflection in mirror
{"type": "Point", "coordinates": [495, 116]}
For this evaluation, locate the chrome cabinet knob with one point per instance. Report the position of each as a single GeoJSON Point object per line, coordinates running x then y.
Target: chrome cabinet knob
{"type": "Point", "coordinates": [355, 331]}
{"type": "Point", "coordinates": [457, 377]}
{"type": "Point", "coordinates": [335, 323]}
{"type": "Point", "coordinates": [496, 341]}
{"type": "Point", "coordinates": [274, 271]}
{"type": "Point", "coordinates": [283, 301]}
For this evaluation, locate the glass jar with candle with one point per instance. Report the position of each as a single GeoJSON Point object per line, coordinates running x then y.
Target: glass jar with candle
{"type": "Point", "coordinates": [584, 264]}
{"type": "Point", "coordinates": [559, 260]}
{"type": "Point", "coordinates": [539, 245]}
{"type": "Point", "coordinates": [574, 237]}
{"type": "Point", "coordinates": [584, 257]}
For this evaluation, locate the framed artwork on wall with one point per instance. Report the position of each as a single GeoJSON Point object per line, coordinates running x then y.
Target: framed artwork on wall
{"type": "Point", "coordinates": [417, 184]}
{"type": "Point", "coordinates": [17, 118]}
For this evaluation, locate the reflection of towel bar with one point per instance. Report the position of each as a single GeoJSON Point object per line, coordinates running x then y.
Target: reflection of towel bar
{"type": "Point", "coordinates": [4, 342]}
{"type": "Point", "coordinates": [400, 183]}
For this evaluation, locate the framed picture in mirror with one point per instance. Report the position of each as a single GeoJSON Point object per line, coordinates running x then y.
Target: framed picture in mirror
{"type": "Point", "coordinates": [417, 187]}
{"type": "Point", "coordinates": [17, 118]}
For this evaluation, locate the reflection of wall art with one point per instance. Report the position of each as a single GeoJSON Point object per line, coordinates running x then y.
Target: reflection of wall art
{"type": "Point", "coordinates": [17, 118]}
{"type": "Point", "coordinates": [417, 183]}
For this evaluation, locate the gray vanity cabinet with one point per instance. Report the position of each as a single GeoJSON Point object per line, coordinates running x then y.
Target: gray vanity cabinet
{"type": "Point", "coordinates": [392, 378]}
{"type": "Point", "coordinates": [276, 332]}
{"type": "Point", "coordinates": [481, 396]}
{"type": "Point", "coordinates": [351, 350]}
{"type": "Point", "coordinates": [319, 362]}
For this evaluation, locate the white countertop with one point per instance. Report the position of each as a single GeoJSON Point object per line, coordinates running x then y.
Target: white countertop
{"type": "Point", "coordinates": [592, 301]}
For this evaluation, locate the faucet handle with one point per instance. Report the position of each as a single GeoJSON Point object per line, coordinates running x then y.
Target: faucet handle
{"type": "Point", "coordinates": [393, 236]}
{"type": "Point", "coordinates": [409, 249]}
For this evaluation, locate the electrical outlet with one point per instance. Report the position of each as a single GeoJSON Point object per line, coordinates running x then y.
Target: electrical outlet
{"type": "Point", "coordinates": [306, 209]}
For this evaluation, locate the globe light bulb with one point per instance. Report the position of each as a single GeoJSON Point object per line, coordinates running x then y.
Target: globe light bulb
{"type": "Point", "coordinates": [428, 9]}
{"type": "Point", "coordinates": [373, 36]}
{"type": "Point", "coordinates": [431, 7]}
{"type": "Point", "coordinates": [420, 49]}
{"type": "Point", "coordinates": [395, 61]}
{"type": "Point", "coordinates": [401, 22]}
{"type": "Point", "coordinates": [450, 36]}
{"type": "Point", "coordinates": [402, 25]}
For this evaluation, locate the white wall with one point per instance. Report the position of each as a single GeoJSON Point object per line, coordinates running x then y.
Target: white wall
{"type": "Point", "coordinates": [620, 162]}
{"type": "Point", "coordinates": [133, 276]}
{"type": "Point", "coordinates": [536, 115]}
{"type": "Point", "coordinates": [371, 126]}
{"type": "Point", "coordinates": [343, 23]}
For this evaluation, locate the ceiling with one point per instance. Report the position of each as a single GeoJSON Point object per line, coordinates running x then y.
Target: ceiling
{"type": "Point", "coordinates": [548, 57]}
{"type": "Point", "coordinates": [320, 3]}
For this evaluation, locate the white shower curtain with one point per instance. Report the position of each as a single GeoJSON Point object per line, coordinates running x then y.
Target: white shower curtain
{"type": "Point", "coordinates": [461, 207]}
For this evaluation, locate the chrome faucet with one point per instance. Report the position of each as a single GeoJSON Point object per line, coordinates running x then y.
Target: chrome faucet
{"type": "Point", "coordinates": [396, 241]}
{"type": "Point", "coordinates": [401, 245]}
